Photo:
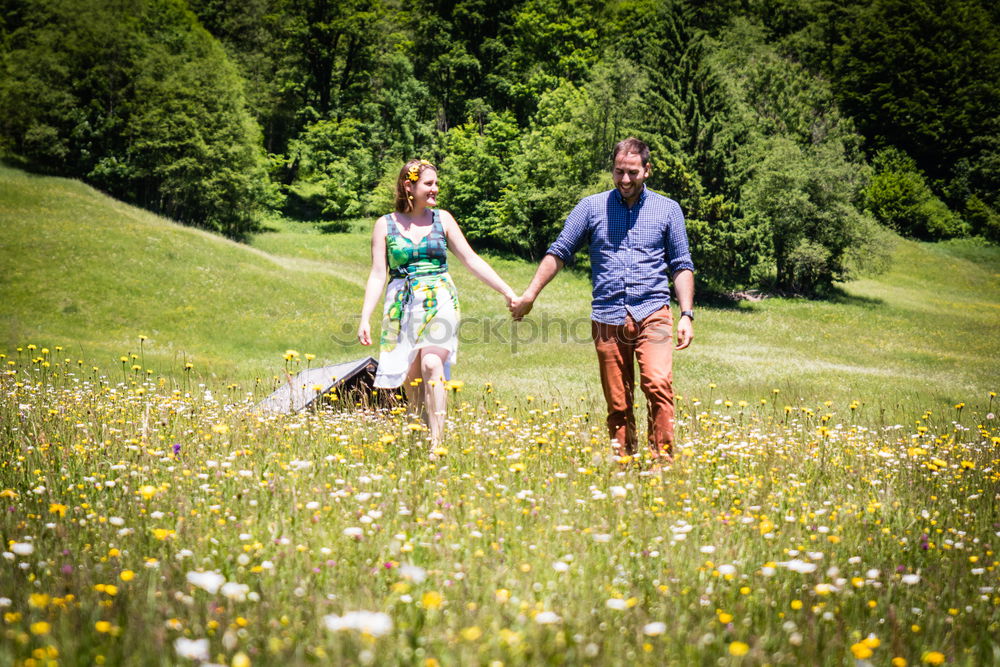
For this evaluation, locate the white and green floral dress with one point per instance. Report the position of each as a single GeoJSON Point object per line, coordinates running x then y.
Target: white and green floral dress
{"type": "Point", "coordinates": [421, 303]}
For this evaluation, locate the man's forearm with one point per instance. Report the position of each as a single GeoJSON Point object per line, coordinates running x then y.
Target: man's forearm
{"type": "Point", "coordinates": [684, 289]}
{"type": "Point", "coordinates": [547, 270]}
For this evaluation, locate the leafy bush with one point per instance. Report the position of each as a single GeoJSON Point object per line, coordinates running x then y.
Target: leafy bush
{"type": "Point", "coordinates": [332, 162]}
{"type": "Point", "coordinates": [899, 197]}
{"type": "Point", "coordinates": [139, 101]}
{"type": "Point", "coordinates": [808, 266]}
{"type": "Point", "coordinates": [984, 220]}
{"type": "Point", "coordinates": [475, 172]}
{"type": "Point", "coordinates": [803, 200]}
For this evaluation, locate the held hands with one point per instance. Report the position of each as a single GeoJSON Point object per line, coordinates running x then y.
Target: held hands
{"type": "Point", "coordinates": [513, 302]}
{"type": "Point", "coordinates": [519, 307]}
{"type": "Point", "coordinates": [365, 333]}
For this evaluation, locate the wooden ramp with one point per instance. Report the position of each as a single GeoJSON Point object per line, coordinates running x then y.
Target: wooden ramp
{"type": "Point", "coordinates": [351, 379]}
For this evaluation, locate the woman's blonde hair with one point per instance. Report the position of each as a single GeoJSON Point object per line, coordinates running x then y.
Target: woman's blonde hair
{"type": "Point", "coordinates": [411, 172]}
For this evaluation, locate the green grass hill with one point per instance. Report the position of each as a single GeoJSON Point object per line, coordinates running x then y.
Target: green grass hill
{"type": "Point", "coordinates": [91, 275]}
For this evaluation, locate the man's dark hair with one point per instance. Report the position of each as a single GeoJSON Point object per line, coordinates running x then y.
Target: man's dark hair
{"type": "Point", "coordinates": [631, 145]}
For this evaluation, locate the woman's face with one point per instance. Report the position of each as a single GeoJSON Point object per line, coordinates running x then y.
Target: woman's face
{"type": "Point", "coordinates": [424, 189]}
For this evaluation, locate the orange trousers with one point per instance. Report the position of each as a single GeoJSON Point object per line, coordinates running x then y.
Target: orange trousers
{"type": "Point", "coordinates": [619, 346]}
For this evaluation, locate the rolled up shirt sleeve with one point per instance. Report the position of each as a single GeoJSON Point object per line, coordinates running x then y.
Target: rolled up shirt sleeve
{"type": "Point", "coordinates": [573, 234]}
{"type": "Point", "coordinates": [676, 242]}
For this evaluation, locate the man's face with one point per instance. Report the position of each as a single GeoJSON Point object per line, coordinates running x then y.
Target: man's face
{"type": "Point", "coordinates": [629, 174]}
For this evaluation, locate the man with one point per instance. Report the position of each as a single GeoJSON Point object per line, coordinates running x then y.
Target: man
{"type": "Point", "coordinates": [638, 242]}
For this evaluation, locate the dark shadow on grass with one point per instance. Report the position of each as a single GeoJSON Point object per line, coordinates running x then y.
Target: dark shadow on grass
{"type": "Point", "coordinates": [335, 227]}
{"type": "Point", "coordinates": [728, 300]}
{"type": "Point", "coordinates": [264, 228]}
{"type": "Point", "coordinates": [15, 162]}
{"type": "Point", "coordinates": [747, 300]}
{"type": "Point", "coordinates": [838, 295]}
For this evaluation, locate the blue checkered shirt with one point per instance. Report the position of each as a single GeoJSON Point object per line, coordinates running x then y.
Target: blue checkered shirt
{"type": "Point", "coordinates": [633, 251]}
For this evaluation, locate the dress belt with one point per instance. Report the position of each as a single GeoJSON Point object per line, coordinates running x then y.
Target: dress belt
{"type": "Point", "coordinates": [404, 295]}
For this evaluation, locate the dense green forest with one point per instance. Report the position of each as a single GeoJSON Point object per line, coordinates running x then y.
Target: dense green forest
{"type": "Point", "coordinates": [791, 131]}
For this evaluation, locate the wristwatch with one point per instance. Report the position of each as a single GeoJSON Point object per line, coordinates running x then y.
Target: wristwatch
{"type": "Point", "coordinates": [689, 313]}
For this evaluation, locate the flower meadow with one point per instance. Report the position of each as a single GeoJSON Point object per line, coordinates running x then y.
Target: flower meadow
{"type": "Point", "coordinates": [149, 519]}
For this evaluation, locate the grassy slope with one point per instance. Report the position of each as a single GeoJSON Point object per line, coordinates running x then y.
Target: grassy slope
{"type": "Point", "coordinates": [91, 274]}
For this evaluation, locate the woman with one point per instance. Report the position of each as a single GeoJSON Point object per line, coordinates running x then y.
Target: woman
{"type": "Point", "coordinates": [420, 322]}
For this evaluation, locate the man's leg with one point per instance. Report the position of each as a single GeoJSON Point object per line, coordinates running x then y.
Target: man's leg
{"type": "Point", "coordinates": [654, 350]}
{"type": "Point", "coordinates": [615, 354]}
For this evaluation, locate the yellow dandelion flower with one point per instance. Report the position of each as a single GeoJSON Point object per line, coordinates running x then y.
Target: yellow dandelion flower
{"type": "Point", "coordinates": [431, 600]}
{"type": "Point", "coordinates": [38, 600]}
{"type": "Point", "coordinates": [933, 658]}
{"type": "Point", "coordinates": [739, 648]}
{"type": "Point", "coordinates": [861, 651]}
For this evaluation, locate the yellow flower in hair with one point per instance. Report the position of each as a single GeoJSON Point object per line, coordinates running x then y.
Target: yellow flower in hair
{"type": "Point", "coordinates": [414, 171]}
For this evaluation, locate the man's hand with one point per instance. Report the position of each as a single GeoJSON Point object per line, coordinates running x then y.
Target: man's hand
{"type": "Point", "coordinates": [685, 332]}
{"type": "Point", "coordinates": [520, 307]}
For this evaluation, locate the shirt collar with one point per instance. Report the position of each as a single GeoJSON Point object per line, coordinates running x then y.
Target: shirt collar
{"type": "Point", "coordinates": [621, 200]}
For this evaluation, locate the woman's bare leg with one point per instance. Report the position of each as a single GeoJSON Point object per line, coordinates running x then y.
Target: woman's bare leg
{"type": "Point", "coordinates": [414, 391]}
{"type": "Point", "coordinates": [432, 369]}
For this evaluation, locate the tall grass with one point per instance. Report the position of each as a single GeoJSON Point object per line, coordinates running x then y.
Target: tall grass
{"type": "Point", "coordinates": [146, 521]}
